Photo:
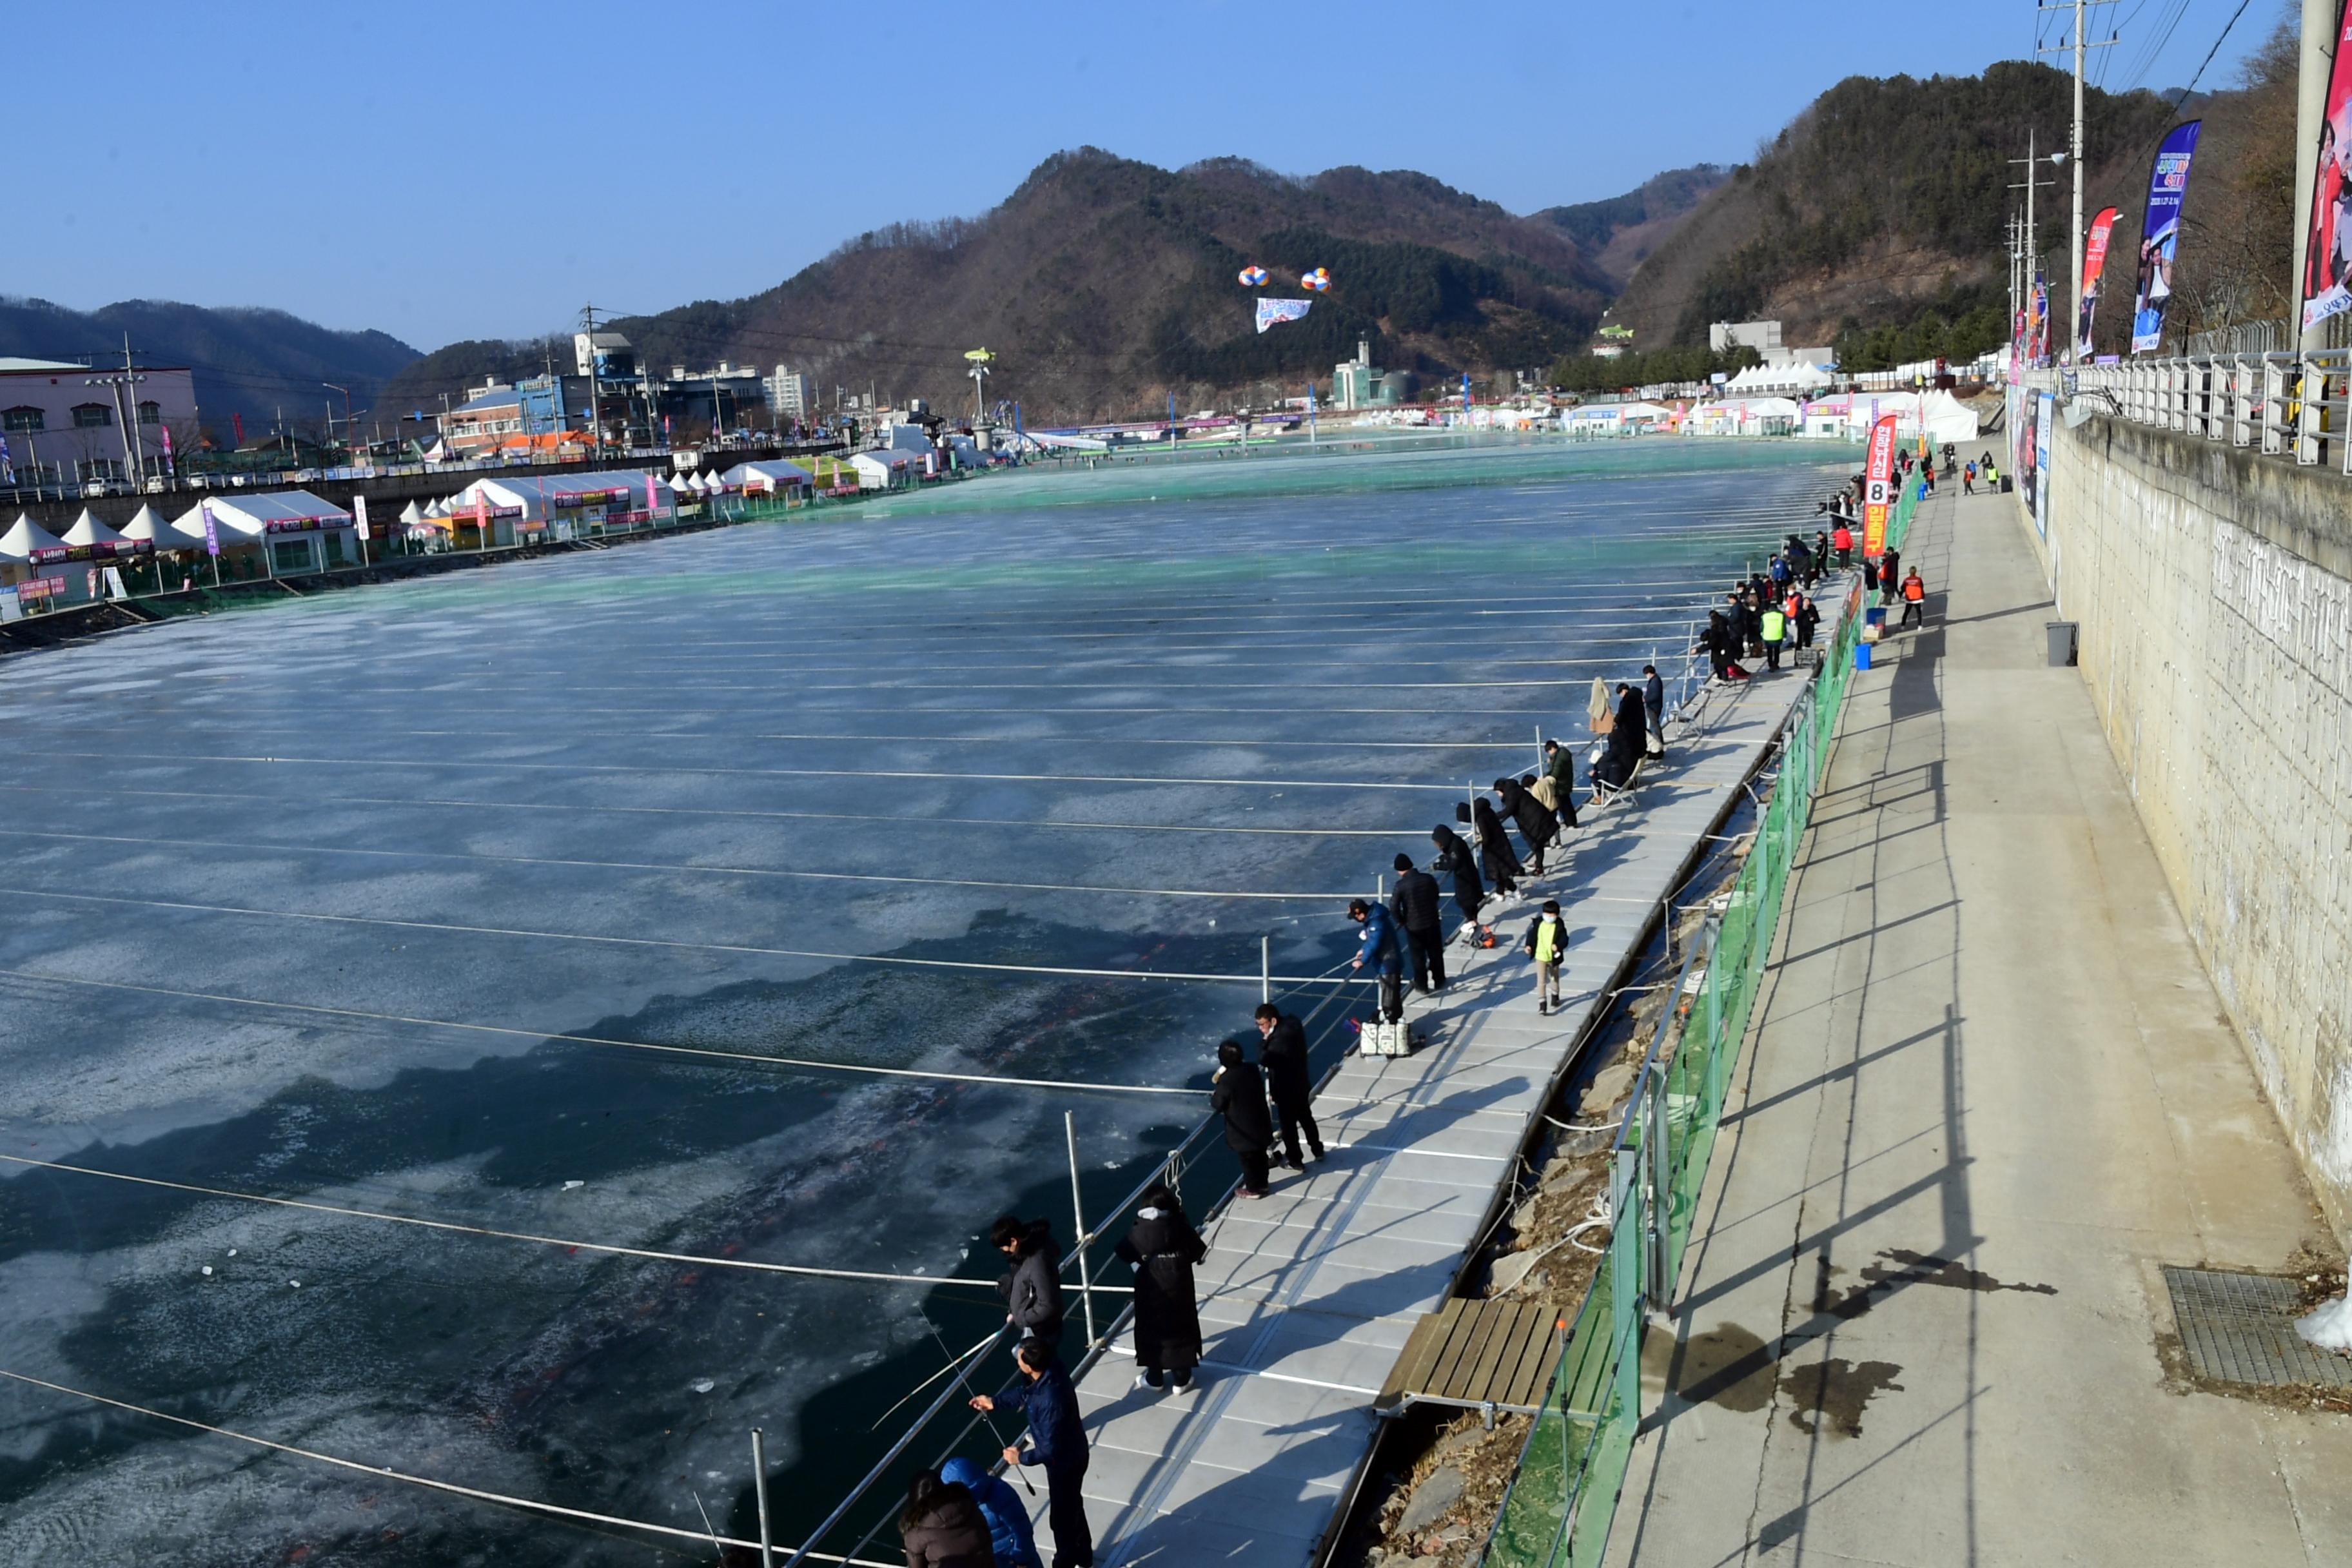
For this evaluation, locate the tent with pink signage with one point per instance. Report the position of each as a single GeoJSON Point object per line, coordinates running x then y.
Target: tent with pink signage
{"type": "Point", "coordinates": [493, 512]}
{"type": "Point", "coordinates": [285, 532]}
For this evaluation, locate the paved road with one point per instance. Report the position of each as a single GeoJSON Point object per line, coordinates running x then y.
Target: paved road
{"type": "Point", "coordinates": [1991, 1094]}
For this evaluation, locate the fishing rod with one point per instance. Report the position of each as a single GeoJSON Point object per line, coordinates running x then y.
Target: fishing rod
{"type": "Point", "coordinates": [926, 1383]}
{"type": "Point", "coordinates": [993, 1430]}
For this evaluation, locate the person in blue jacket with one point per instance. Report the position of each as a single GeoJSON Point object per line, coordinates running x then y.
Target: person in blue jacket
{"type": "Point", "coordinates": [1058, 1441]}
{"type": "Point", "coordinates": [1381, 950]}
{"type": "Point", "coordinates": [1010, 1534]}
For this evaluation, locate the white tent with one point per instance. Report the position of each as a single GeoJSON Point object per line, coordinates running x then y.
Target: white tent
{"type": "Point", "coordinates": [1758, 379]}
{"type": "Point", "coordinates": [296, 530]}
{"type": "Point", "coordinates": [90, 533]}
{"type": "Point", "coordinates": [151, 528]}
{"type": "Point", "coordinates": [26, 539]}
{"type": "Point", "coordinates": [528, 505]}
{"type": "Point", "coordinates": [410, 515]}
{"type": "Point", "coordinates": [879, 469]}
{"type": "Point", "coordinates": [768, 476]}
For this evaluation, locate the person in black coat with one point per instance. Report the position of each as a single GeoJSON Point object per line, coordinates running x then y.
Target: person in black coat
{"type": "Point", "coordinates": [1534, 821]}
{"type": "Point", "coordinates": [1162, 1246]}
{"type": "Point", "coordinates": [1033, 1288]}
{"type": "Point", "coordinates": [1238, 1092]}
{"type": "Point", "coordinates": [1495, 856]}
{"type": "Point", "coordinates": [1415, 906]}
{"type": "Point", "coordinates": [1282, 1057]}
{"type": "Point", "coordinates": [1453, 858]}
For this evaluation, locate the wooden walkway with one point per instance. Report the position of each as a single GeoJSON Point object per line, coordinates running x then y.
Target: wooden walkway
{"type": "Point", "coordinates": [1308, 1295]}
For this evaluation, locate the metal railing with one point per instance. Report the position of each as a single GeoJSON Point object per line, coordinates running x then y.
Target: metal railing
{"type": "Point", "coordinates": [2293, 404]}
{"type": "Point", "coordinates": [1563, 1494]}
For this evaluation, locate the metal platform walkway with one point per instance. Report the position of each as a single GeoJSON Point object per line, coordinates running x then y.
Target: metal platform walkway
{"type": "Point", "coordinates": [1308, 1295]}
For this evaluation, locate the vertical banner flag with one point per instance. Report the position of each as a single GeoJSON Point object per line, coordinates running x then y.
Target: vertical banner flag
{"type": "Point", "coordinates": [359, 516]}
{"type": "Point", "coordinates": [2094, 262]}
{"type": "Point", "coordinates": [7, 463]}
{"type": "Point", "coordinates": [168, 469]}
{"type": "Point", "coordinates": [653, 498]}
{"type": "Point", "coordinates": [1274, 313]}
{"type": "Point", "coordinates": [212, 533]}
{"type": "Point", "coordinates": [481, 520]}
{"type": "Point", "coordinates": [236, 423]}
{"type": "Point", "coordinates": [2327, 226]}
{"type": "Point", "coordinates": [1878, 487]}
{"type": "Point", "coordinates": [2159, 234]}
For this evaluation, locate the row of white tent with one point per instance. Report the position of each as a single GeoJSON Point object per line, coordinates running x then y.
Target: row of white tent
{"type": "Point", "coordinates": [244, 520]}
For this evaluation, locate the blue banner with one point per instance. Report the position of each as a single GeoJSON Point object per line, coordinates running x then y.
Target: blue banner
{"type": "Point", "coordinates": [2160, 233]}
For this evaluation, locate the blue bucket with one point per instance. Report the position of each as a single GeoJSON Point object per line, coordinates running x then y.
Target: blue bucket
{"type": "Point", "coordinates": [1862, 655]}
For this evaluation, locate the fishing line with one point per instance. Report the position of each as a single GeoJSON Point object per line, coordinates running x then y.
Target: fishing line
{"type": "Point", "coordinates": [386, 1473]}
{"type": "Point", "coordinates": [656, 866]}
{"type": "Point", "coordinates": [710, 1052]}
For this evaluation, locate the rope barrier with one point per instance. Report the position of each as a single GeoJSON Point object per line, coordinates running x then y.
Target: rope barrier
{"type": "Point", "coordinates": [243, 797]}
{"type": "Point", "coordinates": [269, 848]}
{"type": "Point", "coordinates": [731, 772]}
{"type": "Point", "coordinates": [707, 1051]}
{"type": "Point", "coordinates": [894, 960]}
{"type": "Point", "coordinates": [386, 1473]}
{"type": "Point", "coordinates": [653, 1254]}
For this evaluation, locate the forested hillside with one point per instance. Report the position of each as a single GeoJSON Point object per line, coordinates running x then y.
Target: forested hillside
{"type": "Point", "coordinates": [1876, 219]}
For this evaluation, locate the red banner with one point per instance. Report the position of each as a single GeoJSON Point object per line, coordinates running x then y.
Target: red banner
{"type": "Point", "coordinates": [2094, 263]}
{"type": "Point", "coordinates": [1878, 486]}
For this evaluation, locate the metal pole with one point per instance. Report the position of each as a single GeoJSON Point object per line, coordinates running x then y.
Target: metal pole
{"type": "Point", "coordinates": [1539, 757]}
{"type": "Point", "coordinates": [1078, 1216]}
{"type": "Point", "coordinates": [759, 1486]}
{"type": "Point", "coordinates": [2075, 320]}
{"type": "Point", "coordinates": [1264, 964]}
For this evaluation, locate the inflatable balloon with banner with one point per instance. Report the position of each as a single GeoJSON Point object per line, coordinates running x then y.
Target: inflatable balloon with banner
{"type": "Point", "coordinates": [1318, 279]}
{"type": "Point", "coordinates": [1253, 277]}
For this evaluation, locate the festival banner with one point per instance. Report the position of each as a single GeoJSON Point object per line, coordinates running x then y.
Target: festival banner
{"type": "Point", "coordinates": [1878, 487]}
{"type": "Point", "coordinates": [211, 530]}
{"type": "Point", "coordinates": [2327, 226]}
{"type": "Point", "coordinates": [1274, 313]}
{"type": "Point", "coordinates": [359, 516]}
{"type": "Point", "coordinates": [2160, 233]}
{"type": "Point", "coordinates": [168, 469]}
{"type": "Point", "coordinates": [2094, 262]}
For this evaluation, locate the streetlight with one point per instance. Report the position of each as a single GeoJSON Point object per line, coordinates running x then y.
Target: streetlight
{"type": "Point", "coordinates": [346, 391]}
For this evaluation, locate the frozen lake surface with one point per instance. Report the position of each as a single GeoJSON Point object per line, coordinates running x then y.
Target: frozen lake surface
{"type": "Point", "coordinates": [379, 899]}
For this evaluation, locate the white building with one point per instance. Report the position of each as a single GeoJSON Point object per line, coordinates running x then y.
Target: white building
{"type": "Point", "coordinates": [66, 423]}
{"type": "Point", "coordinates": [789, 394]}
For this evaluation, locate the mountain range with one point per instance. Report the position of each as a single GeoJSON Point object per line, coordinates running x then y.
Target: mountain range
{"type": "Point", "coordinates": [1108, 287]}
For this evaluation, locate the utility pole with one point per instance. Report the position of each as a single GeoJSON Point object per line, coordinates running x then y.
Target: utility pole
{"type": "Point", "coordinates": [2032, 162]}
{"type": "Point", "coordinates": [595, 417]}
{"type": "Point", "coordinates": [2074, 151]}
{"type": "Point", "coordinates": [2316, 60]}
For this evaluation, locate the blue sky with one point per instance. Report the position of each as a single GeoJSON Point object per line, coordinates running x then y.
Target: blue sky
{"type": "Point", "coordinates": [448, 171]}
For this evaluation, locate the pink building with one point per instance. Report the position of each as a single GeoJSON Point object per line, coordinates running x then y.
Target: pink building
{"type": "Point", "coordinates": [66, 422]}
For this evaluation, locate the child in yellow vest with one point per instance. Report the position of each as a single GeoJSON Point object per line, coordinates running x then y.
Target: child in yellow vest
{"type": "Point", "coordinates": [1546, 943]}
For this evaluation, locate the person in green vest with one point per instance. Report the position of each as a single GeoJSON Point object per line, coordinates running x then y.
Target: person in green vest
{"type": "Point", "coordinates": [1774, 632]}
{"type": "Point", "coordinates": [1546, 944]}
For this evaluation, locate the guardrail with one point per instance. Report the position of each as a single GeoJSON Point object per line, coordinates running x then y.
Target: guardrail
{"type": "Point", "coordinates": [2292, 404]}
{"type": "Point", "coordinates": [1563, 1495]}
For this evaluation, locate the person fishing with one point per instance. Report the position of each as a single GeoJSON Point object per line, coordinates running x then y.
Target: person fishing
{"type": "Point", "coordinates": [1559, 764]}
{"type": "Point", "coordinates": [1381, 950]}
{"type": "Point", "coordinates": [1282, 1057]}
{"type": "Point", "coordinates": [1013, 1539]}
{"type": "Point", "coordinates": [941, 1526]}
{"type": "Point", "coordinates": [1032, 1288]}
{"type": "Point", "coordinates": [1720, 644]}
{"type": "Point", "coordinates": [1454, 858]}
{"type": "Point", "coordinates": [1161, 1246]}
{"type": "Point", "coordinates": [1495, 856]}
{"type": "Point", "coordinates": [1057, 1440]}
{"type": "Point", "coordinates": [1237, 1093]}
{"type": "Point", "coordinates": [1415, 905]}
{"type": "Point", "coordinates": [1532, 818]}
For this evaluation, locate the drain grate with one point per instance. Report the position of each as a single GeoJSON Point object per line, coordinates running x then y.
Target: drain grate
{"type": "Point", "coordinates": [2240, 1328]}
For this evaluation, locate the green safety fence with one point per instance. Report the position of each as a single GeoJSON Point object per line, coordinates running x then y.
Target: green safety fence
{"type": "Point", "coordinates": [1572, 1467]}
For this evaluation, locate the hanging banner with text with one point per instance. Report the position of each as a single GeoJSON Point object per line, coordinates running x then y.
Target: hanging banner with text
{"type": "Point", "coordinates": [2327, 226]}
{"type": "Point", "coordinates": [2160, 233]}
{"type": "Point", "coordinates": [1273, 312]}
{"type": "Point", "coordinates": [1878, 487]}
{"type": "Point", "coordinates": [2094, 263]}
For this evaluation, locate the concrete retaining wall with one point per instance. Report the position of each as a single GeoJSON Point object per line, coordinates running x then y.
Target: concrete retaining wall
{"type": "Point", "coordinates": [2214, 592]}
